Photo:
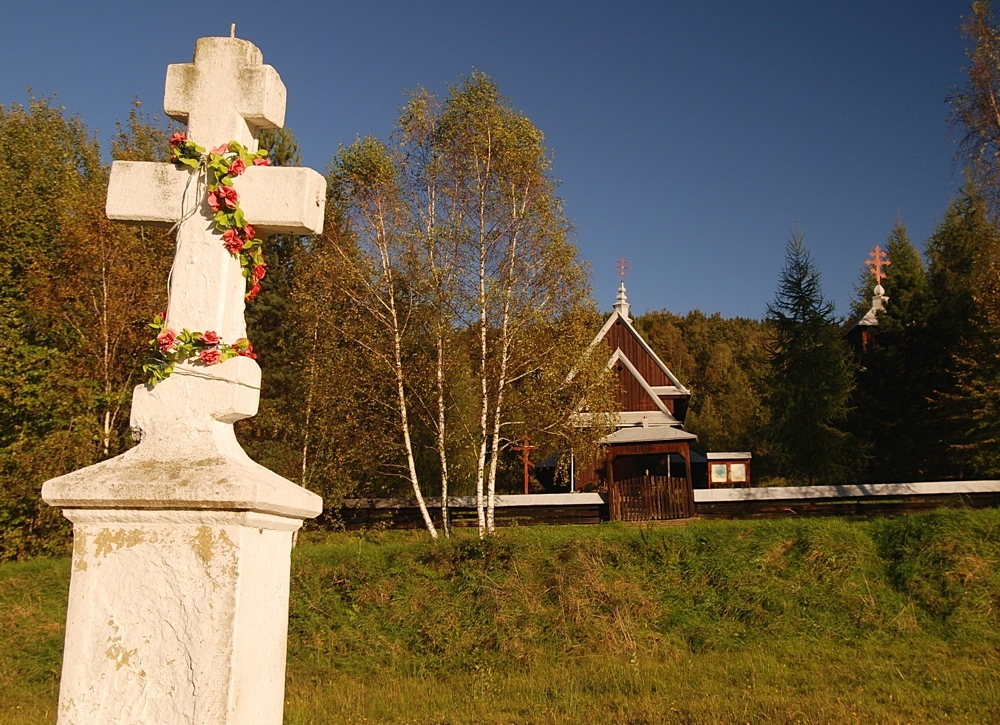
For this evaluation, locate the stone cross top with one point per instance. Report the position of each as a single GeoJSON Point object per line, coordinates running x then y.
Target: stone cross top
{"type": "Point", "coordinates": [226, 94]}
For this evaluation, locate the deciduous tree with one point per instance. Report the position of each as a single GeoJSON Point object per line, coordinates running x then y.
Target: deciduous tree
{"type": "Point", "coordinates": [466, 267]}
{"type": "Point", "coordinates": [975, 108]}
{"type": "Point", "coordinates": [76, 293]}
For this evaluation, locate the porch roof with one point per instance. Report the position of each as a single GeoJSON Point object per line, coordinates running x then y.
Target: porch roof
{"type": "Point", "coordinates": [649, 434]}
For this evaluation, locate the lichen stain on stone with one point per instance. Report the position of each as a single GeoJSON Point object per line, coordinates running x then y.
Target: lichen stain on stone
{"type": "Point", "coordinates": [79, 551]}
{"type": "Point", "coordinates": [224, 538]}
{"type": "Point", "coordinates": [118, 653]}
{"type": "Point", "coordinates": [204, 544]}
{"type": "Point", "coordinates": [231, 569]}
{"type": "Point", "coordinates": [208, 548]}
{"type": "Point", "coordinates": [108, 541]}
{"type": "Point", "coordinates": [183, 472]}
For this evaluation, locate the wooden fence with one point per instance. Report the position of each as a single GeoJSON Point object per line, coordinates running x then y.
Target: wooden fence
{"type": "Point", "coordinates": [631, 500]}
{"type": "Point", "coordinates": [877, 499]}
{"type": "Point", "coordinates": [557, 508]}
{"type": "Point", "coordinates": [650, 498]}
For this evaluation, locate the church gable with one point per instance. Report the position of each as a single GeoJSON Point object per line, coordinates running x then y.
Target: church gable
{"type": "Point", "coordinates": [634, 391]}
{"type": "Point", "coordinates": [622, 336]}
{"type": "Point", "coordinates": [646, 384]}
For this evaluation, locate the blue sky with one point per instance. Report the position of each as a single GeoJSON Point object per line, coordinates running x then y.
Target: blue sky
{"type": "Point", "coordinates": [692, 138]}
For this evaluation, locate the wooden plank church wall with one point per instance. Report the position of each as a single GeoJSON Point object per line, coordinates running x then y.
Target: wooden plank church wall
{"type": "Point", "coordinates": [635, 397]}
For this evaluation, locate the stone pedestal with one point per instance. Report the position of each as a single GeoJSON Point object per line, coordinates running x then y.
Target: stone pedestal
{"type": "Point", "coordinates": [178, 603]}
{"type": "Point", "coordinates": [176, 617]}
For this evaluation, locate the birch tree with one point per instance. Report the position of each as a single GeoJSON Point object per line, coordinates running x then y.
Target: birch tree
{"type": "Point", "coordinates": [366, 180]}
{"type": "Point", "coordinates": [520, 273]}
{"type": "Point", "coordinates": [437, 229]}
{"type": "Point", "coordinates": [465, 263]}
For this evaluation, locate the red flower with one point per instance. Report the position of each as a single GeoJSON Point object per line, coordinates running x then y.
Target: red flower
{"type": "Point", "coordinates": [237, 167]}
{"type": "Point", "coordinates": [258, 272]}
{"type": "Point", "coordinates": [220, 150]}
{"type": "Point", "coordinates": [244, 348]}
{"type": "Point", "coordinates": [227, 195]}
{"type": "Point", "coordinates": [213, 200]}
{"type": "Point", "coordinates": [262, 162]}
{"type": "Point", "coordinates": [177, 139]}
{"type": "Point", "coordinates": [165, 340]}
{"type": "Point", "coordinates": [209, 356]}
{"type": "Point", "coordinates": [209, 338]}
{"type": "Point", "coordinates": [231, 238]}
{"type": "Point", "coordinates": [253, 292]}
{"type": "Point", "coordinates": [248, 231]}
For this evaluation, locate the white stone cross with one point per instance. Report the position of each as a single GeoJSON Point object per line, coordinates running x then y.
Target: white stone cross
{"type": "Point", "coordinates": [226, 94]}
{"type": "Point", "coordinates": [178, 602]}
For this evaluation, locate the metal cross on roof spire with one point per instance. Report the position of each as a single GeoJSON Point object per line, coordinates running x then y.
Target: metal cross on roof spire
{"type": "Point", "coordinates": [623, 266]}
{"type": "Point", "coordinates": [877, 262]}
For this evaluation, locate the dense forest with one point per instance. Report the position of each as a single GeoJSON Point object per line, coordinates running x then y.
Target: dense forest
{"type": "Point", "coordinates": [437, 319]}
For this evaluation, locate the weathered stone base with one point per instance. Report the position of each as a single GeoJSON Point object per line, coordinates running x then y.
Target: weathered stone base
{"type": "Point", "coordinates": [176, 617]}
{"type": "Point", "coordinates": [178, 602]}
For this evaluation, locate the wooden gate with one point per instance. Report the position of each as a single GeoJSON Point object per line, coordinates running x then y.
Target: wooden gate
{"type": "Point", "coordinates": [650, 498]}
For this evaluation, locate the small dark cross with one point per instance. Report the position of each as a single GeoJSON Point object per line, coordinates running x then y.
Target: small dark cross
{"type": "Point", "coordinates": [623, 266]}
{"type": "Point", "coordinates": [524, 449]}
{"type": "Point", "coordinates": [877, 262]}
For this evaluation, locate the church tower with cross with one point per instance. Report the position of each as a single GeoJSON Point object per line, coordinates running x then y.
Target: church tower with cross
{"type": "Point", "coordinates": [650, 443]}
{"type": "Point", "coordinates": [861, 336]}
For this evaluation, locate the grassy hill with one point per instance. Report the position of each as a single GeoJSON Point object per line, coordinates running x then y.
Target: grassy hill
{"type": "Point", "coordinates": [818, 620]}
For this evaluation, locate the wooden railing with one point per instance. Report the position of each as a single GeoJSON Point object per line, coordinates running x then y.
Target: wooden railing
{"type": "Point", "coordinates": [650, 498]}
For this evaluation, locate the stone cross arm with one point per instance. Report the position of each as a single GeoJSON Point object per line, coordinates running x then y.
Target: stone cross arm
{"type": "Point", "coordinates": [276, 200]}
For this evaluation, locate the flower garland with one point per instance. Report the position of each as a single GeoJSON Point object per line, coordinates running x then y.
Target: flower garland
{"type": "Point", "coordinates": [222, 164]}
{"type": "Point", "coordinates": [205, 347]}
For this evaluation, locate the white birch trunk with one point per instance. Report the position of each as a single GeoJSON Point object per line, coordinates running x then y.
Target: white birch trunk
{"type": "Point", "coordinates": [505, 342]}
{"type": "Point", "coordinates": [483, 380]}
{"type": "Point", "coordinates": [483, 407]}
{"type": "Point", "coordinates": [442, 450]}
{"type": "Point", "coordinates": [309, 399]}
{"type": "Point", "coordinates": [404, 421]}
{"type": "Point", "coordinates": [388, 302]}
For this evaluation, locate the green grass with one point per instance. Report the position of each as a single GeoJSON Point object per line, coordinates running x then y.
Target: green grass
{"type": "Point", "coordinates": [32, 619]}
{"type": "Point", "coordinates": [814, 620]}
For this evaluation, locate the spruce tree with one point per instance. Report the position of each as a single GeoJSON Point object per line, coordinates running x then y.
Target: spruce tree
{"type": "Point", "coordinates": [811, 376]}
{"type": "Point", "coordinates": [960, 337]}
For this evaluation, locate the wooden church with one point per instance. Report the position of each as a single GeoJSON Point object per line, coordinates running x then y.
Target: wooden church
{"type": "Point", "coordinates": [646, 469]}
